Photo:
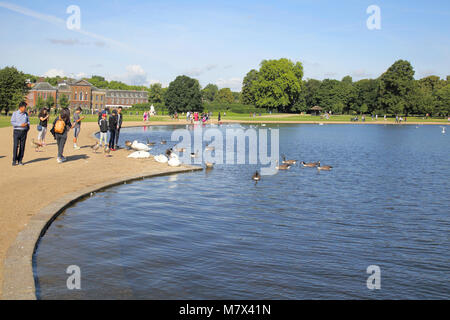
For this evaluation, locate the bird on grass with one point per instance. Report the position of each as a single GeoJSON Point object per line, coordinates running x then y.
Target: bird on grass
{"type": "Point", "coordinates": [95, 147]}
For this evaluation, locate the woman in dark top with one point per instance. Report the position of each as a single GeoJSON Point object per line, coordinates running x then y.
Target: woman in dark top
{"type": "Point", "coordinates": [43, 121]}
{"type": "Point", "coordinates": [112, 130]}
{"type": "Point", "coordinates": [61, 127]}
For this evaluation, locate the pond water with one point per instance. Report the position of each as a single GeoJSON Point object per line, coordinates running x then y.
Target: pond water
{"type": "Point", "coordinates": [299, 234]}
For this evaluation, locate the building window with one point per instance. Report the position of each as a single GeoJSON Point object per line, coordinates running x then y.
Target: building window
{"type": "Point", "coordinates": [86, 96]}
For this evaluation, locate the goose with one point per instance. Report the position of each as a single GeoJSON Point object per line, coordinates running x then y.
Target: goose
{"type": "Point", "coordinates": [256, 177]}
{"type": "Point", "coordinates": [38, 145]}
{"type": "Point", "coordinates": [150, 144]}
{"type": "Point", "coordinates": [107, 151]}
{"type": "Point", "coordinates": [282, 166]}
{"type": "Point", "coordinates": [209, 165]}
{"type": "Point", "coordinates": [174, 161]}
{"type": "Point", "coordinates": [289, 162]}
{"type": "Point", "coordinates": [139, 146]}
{"type": "Point", "coordinates": [161, 159]}
{"type": "Point", "coordinates": [163, 142]}
{"type": "Point", "coordinates": [194, 155]}
{"type": "Point", "coordinates": [169, 152]}
{"type": "Point", "coordinates": [180, 149]}
{"type": "Point", "coordinates": [139, 155]}
{"type": "Point", "coordinates": [128, 144]}
{"type": "Point", "coordinates": [95, 147]}
{"type": "Point", "coordinates": [311, 164]}
{"type": "Point", "coordinates": [324, 168]}
{"type": "Point", "coordinates": [210, 148]}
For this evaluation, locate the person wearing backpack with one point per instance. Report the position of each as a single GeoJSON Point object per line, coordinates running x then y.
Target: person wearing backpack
{"type": "Point", "coordinates": [61, 127]}
{"type": "Point", "coordinates": [103, 124]}
{"type": "Point", "coordinates": [112, 130]}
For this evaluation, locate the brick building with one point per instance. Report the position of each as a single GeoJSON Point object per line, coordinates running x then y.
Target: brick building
{"type": "Point", "coordinates": [81, 93]}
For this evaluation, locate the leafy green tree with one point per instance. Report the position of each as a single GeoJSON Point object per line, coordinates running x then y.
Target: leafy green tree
{"type": "Point", "coordinates": [40, 103]}
{"type": "Point", "coordinates": [156, 93]}
{"type": "Point", "coordinates": [311, 93]}
{"type": "Point", "coordinates": [443, 98]}
{"type": "Point", "coordinates": [236, 97]}
{"type": "Point", "coordinates": [225, 96]}
{"type": "Point", "coordinates": [394, 87]}
{"type": "Point", "coordinates": [209, 93]}
{"type": "Point", "coordinates": [99, 82]}
{"type": "Point", "coordinates": [248, 95]}
{"type": "Point", "coordinates": [13, 88]}
{"type": "Point", "coordinates": [183, 95]}
{"type": "Point", "coordinates": [279, 84]}
{"type": "Point", "coordinates": [50, 102]}
{"type": "Point", "coordinates": [366, 92]}
{"type": "Point", "coordinates": [64, 101]}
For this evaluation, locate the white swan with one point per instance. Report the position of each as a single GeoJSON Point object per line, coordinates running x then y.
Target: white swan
{"type": "Point", "coordinates": [140, 155]}
{"type": "Point", "coordinates": [140, 146]}
{"type": "Point", "coordinates": [443, 129]}
{"type": "Point", "coordinates": [161, 159]}
{"type": "Point", "coordinates": [174, 161]}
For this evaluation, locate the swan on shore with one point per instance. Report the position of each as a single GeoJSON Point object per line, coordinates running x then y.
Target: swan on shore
{"type": "Point", "coordinates": [161, 159]}
{"type": "Point", "coordinates": [139, 146]}
{"type": "Point", "coordinates": [139, 155]}
{"type": "Point", "coordinates": [174, 161]}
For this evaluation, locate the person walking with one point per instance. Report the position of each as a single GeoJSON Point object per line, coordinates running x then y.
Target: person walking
{"type": "Point", "coordinates": [43, 123]}
{"type": "Point", "coordinates": [112, 130]}
{"type": "Point", "coordinates": [119, 125]}
{"type": "Point", "coordinates": [77, 127]}
{"type": "Point", "coordinates": [61, 126]}
{"type": "Point", "coordinates": [103, 124]}
{"type": "Point", "coordinates": [21, 124]}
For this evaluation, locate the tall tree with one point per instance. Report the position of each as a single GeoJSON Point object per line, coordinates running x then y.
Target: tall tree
{"type": "Point", "coordinates": [248, 95]}
{"type": "Point", "coordinates": [209, 93]}
{"type": "Point", "coordinates": [183, 95]}
{"type": "Point", "coordinates": [156, 93]}
{"type": "Point", "coordinates": [225, 96]}
{"type": "Point", "coordinates": [443, 98]}
{"type": "Point", "coordinates": [279, 84]}
{"type": "Point", "coordinates": [64, 101]}
{"type": "Point", "coordinates": [395, 86]}
{"type": "Point", "coordinates": [13, 88]}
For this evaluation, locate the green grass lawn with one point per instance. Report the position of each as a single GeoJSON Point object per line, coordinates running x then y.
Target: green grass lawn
{"type": "Point", "coordinates": [5, 121]}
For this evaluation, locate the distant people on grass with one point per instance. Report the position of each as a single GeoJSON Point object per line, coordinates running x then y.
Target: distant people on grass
{"type": "Point", "coordinates": [61, 127]}
{"type": "Point", "coordinates": [43, 124]}
{"type": "Point", "coordinates": [119, 125]}
{"type": "Point", "coordinates": [112, 130]}
{"type": "Point", "coordinates": [103, 125]}
{"type": "Point", "coordinates": [77, 118]}
{"type": "Point", "coordinates": [21, 125]}
{"type": "Point", "coordinates": [219, 118]}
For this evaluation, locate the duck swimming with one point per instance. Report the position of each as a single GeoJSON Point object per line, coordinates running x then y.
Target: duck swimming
{"type": "Point", "coordinates": [282, 166]}
{"type": "Point", "coordinates": [324, 168]}
{"type": "Point", "coordinates": [311, 164]}
{"type": "Point", "coordinates": [289, 162]}
{"type": "Point", "coordinates": [256, 177]}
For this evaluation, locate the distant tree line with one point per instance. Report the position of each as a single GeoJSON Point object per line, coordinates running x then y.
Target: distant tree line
{"type": "Point", "coordinates": [278, 86]}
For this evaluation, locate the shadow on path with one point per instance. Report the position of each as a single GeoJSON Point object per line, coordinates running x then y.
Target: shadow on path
{"type": "Point", "coordinates": [38, 160]}
{"type": "Point", "coordinates": [77, 157]}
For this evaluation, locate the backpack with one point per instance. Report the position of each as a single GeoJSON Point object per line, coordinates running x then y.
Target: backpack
{"type": "Point", "coordinates": [60, 126]}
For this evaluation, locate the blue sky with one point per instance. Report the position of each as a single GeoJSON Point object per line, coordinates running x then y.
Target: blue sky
{"type": "Point", "coordinates": [142, 42]}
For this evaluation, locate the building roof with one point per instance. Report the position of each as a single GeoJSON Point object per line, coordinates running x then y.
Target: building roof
{"type": "Point", "coordinates": [43, 86]}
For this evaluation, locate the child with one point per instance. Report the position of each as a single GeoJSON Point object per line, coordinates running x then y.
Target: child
{"type": "Point", "coordinates": [103, 124]}
{"type": "Point", "coordinates": [77, 127]}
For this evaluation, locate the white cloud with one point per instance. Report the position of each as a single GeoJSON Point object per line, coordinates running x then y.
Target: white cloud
{"type": "Point", "coordinates": [195, 72]}
{"type": "Point", "coordinates": [232, 83]}
{"type": "Point", "coordinates": [54, 73]}
{"type": "Point", "coordinates": [361, 73]}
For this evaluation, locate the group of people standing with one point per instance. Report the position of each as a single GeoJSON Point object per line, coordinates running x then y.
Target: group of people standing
{"type": "Point", "coordinates": [61, 126]}
{"type": "Point", "coordinates": [113, 124]}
